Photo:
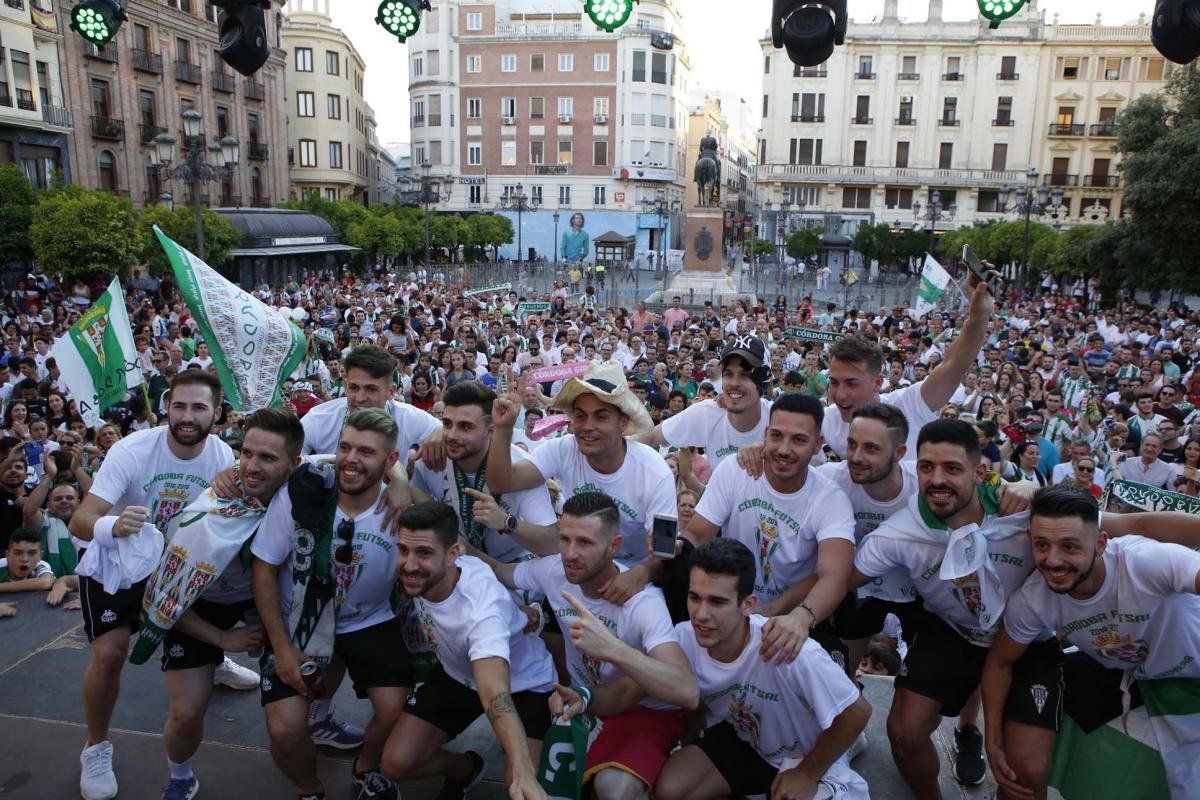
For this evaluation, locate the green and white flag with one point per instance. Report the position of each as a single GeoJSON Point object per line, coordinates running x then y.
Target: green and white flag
{"type": "Point", "coordinates": [253, 346]}
{"type": "Point", "coordinates": [97, 356]}
{"type": "Point", "coordinates": [934, 281]}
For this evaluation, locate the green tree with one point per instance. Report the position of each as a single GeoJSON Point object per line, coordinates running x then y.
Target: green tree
{"type": "Point", "coordinates": [17, 199]}
{"type": "Point", "coordinates": [220, 236]}
{"type": "Point", "coordinates": [977, 237]}
{"type": "Point", "coordinates": [451, 232]}
{"type": "Point", "coordinates": [872, 242]}
{"type": "Point", "coordinates": [490, 230]}
{"type": "Point", "coordinates": [804, 242]}
{"type": "Point", "coordinates": [761, 247]}
{"type": "Point", "coordinates": [1157, 136]}
{"type": "Point", "coordinates": [1103, 258]}
{"type": "Point", "coordinates": [1072, 250]}
{"type": "Point", "coordinates": [77, 233]}
{"type": "Point", "coordinates": [377, 234]}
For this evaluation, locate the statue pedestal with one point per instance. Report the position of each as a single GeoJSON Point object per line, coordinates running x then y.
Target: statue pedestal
{"type": "Point", "coordinates": [703, 276]}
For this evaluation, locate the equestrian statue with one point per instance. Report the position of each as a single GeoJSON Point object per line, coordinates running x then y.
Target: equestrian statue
{"type": "Point", "coordinates": [708, 171]}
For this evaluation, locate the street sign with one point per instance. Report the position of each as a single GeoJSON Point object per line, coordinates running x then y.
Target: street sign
{"type": "Point", "coordinates": [813, 335]}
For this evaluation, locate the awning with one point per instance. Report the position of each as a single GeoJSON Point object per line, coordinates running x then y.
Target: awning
{"type": "Point", "coordinates": [295, 250]}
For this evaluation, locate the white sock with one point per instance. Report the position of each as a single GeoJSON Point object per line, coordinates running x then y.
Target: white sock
{"type": "Point", "coordinates": [318, 711]}
{"type": "Point", "coordinates": [182, 771]}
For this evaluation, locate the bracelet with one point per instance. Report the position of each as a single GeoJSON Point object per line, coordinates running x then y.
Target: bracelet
{"type": "Point", "coordinates": [811, 613]}
{"type": "Point", "coordinates": [586, 694]}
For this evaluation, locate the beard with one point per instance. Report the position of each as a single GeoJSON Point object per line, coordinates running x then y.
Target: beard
{"type": "Point", "coordinates": [1083, 576]}
{"type": "Point", "coordinates": [959, 502]}
{"type": "Point", "coordinates": [875, 476]}
{"type": "Point", "coordinates": [195, 435]}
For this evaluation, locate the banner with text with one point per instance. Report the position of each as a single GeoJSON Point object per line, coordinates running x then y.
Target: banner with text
{"type": "Point", "coordinates": [813, 335]}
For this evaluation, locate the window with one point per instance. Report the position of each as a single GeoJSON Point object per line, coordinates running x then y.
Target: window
{"type": "Point", "coordinates": [1072, 67]}
{"type": "Point", "coordinates": [335, 155]}
{"type": "Point", "coordinates": [141, 38]}
{"type": "Point", "coordinates": [508, 153]}
{"type": "Point", "coordinates": [566, 62]}
{"type": "Point", "coordinates": [639, 67]}
{"type": "Point", "coordinates": [537, 62]}
{"type": "Point", "coordinates": [1152, 69]}
{"type": "Point", "coordinates": [256, 184]}
{"type": "Point", "coordinates": [860, 153]}
{"type": "Point", "coordinates": [183, 51]}
{"type": "Point", "coordinates": [856, 197]}
{"type": "Point", "coordinates": [805, 151]}
{"type": "Point", "coordinates": [600, 153]}
{"type": "Point", "coordinates": [902, 154]}
{"type": "Point", "coordinates": [862, 109]}
{"type": "Point", "coordinates": [908, 67]}
{"type": "Point", "coordinates": [474, 63]}
{"type": "Point", "coordinates": [435, 109]}
{"type": "Point", "coordinates": [474, 154]}
{"type": "Point", "coordinates": [1004, 111]}
{"type": "Point", "coordinates": [308, 152]}
{"type": "Point", "coordinates": [537, 152]}
{"type": "Point", "coordinates": [331, 195]}
{"type": "Point", "coordinates": [1066, 116]}
{"type": "Point", "coordinates": [474, 21]}
{"type": "Point", "coordinates": [537, 108]}
{"type": "Point", "coordinates": [304, 59]}
{"type": "Point", "coordinates": [766, 65]}
{"type": "Point", "coordinates": [766, 104]}
{"type": "Point", "coordinates": [535, 194]}
{"type": "Point", "coordinates": [1100, 172]}
{"type": "Point", "coordinates": [1059, 168]}
{"type": "Point", "coordinates": [222, 122]}
{"type": "Point", "coordinates": [600, 62]}
{"type": "Point", "coordinates": [508, 62]}
{"type": "Point", "coordinates": [435, 152]}
{"type": "Point", "coordinates": [946, 155]}
{"type": "Point", "coordinates": [953, 66]}
{"type": "Point", "coordinates": [252, 129]}
{"type": "Point", "coordinates": [1112, 69]}
{"type": "Point", "coordinates": [866, 66]}
{"type": "Point", "coordinates": [305, 104]}
{"type": "Point", "coordinates": [334, 104]}
{"type": "Point", "coordinates": [418, 118]}
{"type": "Point", "coordinates": [108, 171]}
{"type": "Point", "coordinates": [659, 72]}
{"type": "Point", "coordinates": [949, 110]}
{"type": "Point", "coordinates": [564, 195]}
{"type": "Point", "coordinates": [989, 201]}
{"type": "Point", "coordinates": [474, 107]}
{"type": "Point", "coordinates": [475, 195]}
{"type": "Point", "coordinates": [896, 197]}
{"type": "Point", "coordinates": [418, 66]}
{"type": "Point", "coordinates": [333, 63]}
{"type": "Point", "coordinates": [566, 106]}
{"type": "Point", "coordinates": [600, 106]}
{"type": "Point", "coordinates": [598, 195]}
{"type": "Point", "coordinates": [564, 151]}
{"type": "Point", "coordinates": [508, 106]}
{"type": "Point", "coordinates": [999, 156]}
{"type": "Point", "coordinates": [434, 59]}
{"type": "Point", "coordinates": [906, 109]}
{"type": "Point", "coordinates": [1008, 68]}
{"type": "Point", "coordinates": [147, 112]}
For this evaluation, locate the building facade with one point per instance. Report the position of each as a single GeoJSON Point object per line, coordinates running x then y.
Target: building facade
{"type": "Point", "coordinates": [329, 123]}
{"type": "Point", "coordinates": [727, 118]}
{"type": "Point", "coordinates": [162, 62]}
{"type": "Point", "coordinates": [510, 92]}
{"type": "Point", "coordinates": [905, 109]}
{"type": "Point", "coordinates": [35, 124]}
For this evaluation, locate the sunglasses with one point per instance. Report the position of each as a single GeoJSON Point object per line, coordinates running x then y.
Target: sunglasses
{"type": "Point", "coordinates": [344, 554]}
{"type": "Point", "coordinates": [1086, 469]}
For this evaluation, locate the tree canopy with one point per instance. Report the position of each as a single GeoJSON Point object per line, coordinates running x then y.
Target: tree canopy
{"type": "Point", "coordinates": [76, 232]}
{"type": "Point", "coordinates": [17, 199]}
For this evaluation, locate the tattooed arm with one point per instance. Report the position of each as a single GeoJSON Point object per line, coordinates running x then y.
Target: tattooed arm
{"type": "Point", "coordinates": [491, 678]}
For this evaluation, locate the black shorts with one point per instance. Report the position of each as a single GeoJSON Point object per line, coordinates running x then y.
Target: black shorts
{"type": "Point", "coordinates": [1093, 692]}
{"type": "Point", "coordinates": [180, 651]}
{"type": "Point", "coordinates": [863, 617]}
{"type": "Point", "coordinates": [746, 772]}
{"type": "Point", "coordinates": [451, 707]}
{"type": "Point", "coordinates": [944, 666]}
{"type": "Point", "coordinates": [104, 612]}
{"type": "Point", "coordinates": [823, 634]}
{"type": "Point", "coordinates": [375, 657]}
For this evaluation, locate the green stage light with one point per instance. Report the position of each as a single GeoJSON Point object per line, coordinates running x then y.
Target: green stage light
{"type": "Point", "coordinates": [401, 18]}
{"type": "Point", "coordinates": [996, 11]}
{"type": "Point", "coordinates": [609, 14]}
{"type": "Point", "coordinates": [97, 21]}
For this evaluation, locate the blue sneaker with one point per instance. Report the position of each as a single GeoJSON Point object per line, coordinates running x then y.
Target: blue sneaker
{"type": "Point", "coordinates": [329, 732]}
{"type": "Point", "coordinates": [181, 789]}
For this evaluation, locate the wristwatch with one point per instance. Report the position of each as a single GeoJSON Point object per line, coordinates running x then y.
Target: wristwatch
{"type": "Point", "coordinates": [510, 524]}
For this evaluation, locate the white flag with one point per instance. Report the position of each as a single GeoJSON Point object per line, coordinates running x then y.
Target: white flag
{"type": "Point", "coordinates": [932, 286]}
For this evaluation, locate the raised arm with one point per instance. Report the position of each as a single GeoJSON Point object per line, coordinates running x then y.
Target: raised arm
{"type": "Point", "coordinates": [653, 437]}
{"type": "Point", "coordinates": [31, 513]}
{"type": "Point", "coordinates": [503, 474]}
{"type": "Point", "coordinates": [1170, 527]}
{"type": "Point", "coordinates": [940, 385]}
{"type": "Point", "coordinates": [700, 530]}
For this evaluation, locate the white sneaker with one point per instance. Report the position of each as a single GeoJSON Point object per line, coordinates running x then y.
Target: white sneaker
{"type": "Point", "coordinates": [858, 747]}
{"type": "Point", "coordinates": [235, 676]}
{"type": "Point", "coordinates": [97, 781]}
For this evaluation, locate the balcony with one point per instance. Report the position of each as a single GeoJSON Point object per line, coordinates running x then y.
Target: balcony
{"type": "Point", "coordinates": [57, 116]}
{"type": "Point", "coordinates": [231, 201]}
{"type": "Point", "coordinates": [1060, 179]}
{"type": "Point", "coordinates": [952, 76]}
{"type": "Point", "coordinates": [257, 151]}
{"type": "Point", "coordinates": [905, 120]}
{"type": "Point", "coordinates": [1003, 122]}
{"type": "Point", "coordinates": [419, 122]}
{"type": "Point", "coordinates": [187, 72]}
{"type": "Point", "coordinates": [1008, 76]}
{"type": "Point", "coordinates": [861, 120]}
{"type": "Point", "coordinates": [948, 122]}
{"type": "Point", "coordinates": [25, 100]}
{"type": "Point", "coordinates": [222, 81]}
{"type": "Point", "coordinates": [909, 76]}
{"type": "Point", "coordinates": [864, 76]}
{"type": "Point", "coordinates": [809, 72]}
{"type": "Point", "coordinates": [261, 202]}
{"type": "Point", "coordinates": [107, 53]}
{"type": "Point", "coordinates": [1065, 129]}
{"type": "Point", "coordinates": [1102, 181]}
{"type": "Point", "coordinates": [6, 100]}
{"type": "Point", "coordinates": [145, 61]}
{"type": "Point", "coordinates": [112, 130]}
{"type": "Point", "coordinates": [909, 176]}
{"type": "Point", "coordinates": [149, 132]}
{"type": "Point", "coordinates": [1106, 128]}
{"type": "Point", "coordinates": [255, 91]}
{"type": "Point", "coordinates": [808, 117]}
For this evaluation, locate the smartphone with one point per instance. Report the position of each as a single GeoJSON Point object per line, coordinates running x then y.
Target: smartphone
{"type": "Point", "coordinates": [663, 535]}
{"type": "Point", "coordinates": [977, 268]}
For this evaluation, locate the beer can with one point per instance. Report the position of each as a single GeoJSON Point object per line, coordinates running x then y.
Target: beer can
{"type": "Point", "coordinates": [310, 671]}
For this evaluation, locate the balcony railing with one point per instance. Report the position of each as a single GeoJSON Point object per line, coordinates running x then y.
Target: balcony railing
{"type": "Point", "coordinates": [187, 72]}
{"type": "Point", "coordinates": [1102, 181]}
{"type": "Point", "coordinates": [1060, 179]}
{"type": "Point", "coordinates": [25, 100]}
{"type": "Point", "coordinates": [231, 200]}
{"type": "Point", "coordinates": [6, 100]}
{"type": "Point", "coordinates": [145, 61]}
{"type": "Point", "coordinates": [1106, 128]}
{"type": "Point", "coordinates": [808, 117]}
{"type": "Point", "coordinates": [1002, 122]}
{"type": "Point", "coordinates": [948, 122]}
{"type": "Point", "coordinates": [861, 120]}
{"type": "Point", "coordinates": [57, 116]}
{"type": "Point", "coordinates": [107, 53]}
{"type": "Point", "coordinates": [906, 120]}
{"type": "Point", "coordinates": [112, 130]}
{"type": "Point", "coordinates": [1007, 76]}
{"type": "Point", "coordinates": [952, 76]}
{"type": "Point", "coordinates": [909, 76]}
{"type": "Point", "coordinates": [913, 176]}
{"type": "Point", "coordinates": [255, 91]}
{"type": "Point", "coordinates": [1066, 129]}
{"type": "Point", "coordinates": [222, 81]}
{"type": "Point", "coordinates": [809, 72]}
{"type": "Point", "coordinates": [864, 76]}
{"type": "Point", "coordinates": [258, 151]}
{"type": "Point", "coordinates": [261, 202]}
{"type": "Point", "coordinates": [149, 132]}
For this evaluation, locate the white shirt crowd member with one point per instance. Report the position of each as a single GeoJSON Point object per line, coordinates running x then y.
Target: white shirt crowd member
{"type": "Point", "coordinates": [323, 426]}
{"type": "Point", "coordinates": [707, 425]}
{"type": "Point", "coordinates": [908, 400]}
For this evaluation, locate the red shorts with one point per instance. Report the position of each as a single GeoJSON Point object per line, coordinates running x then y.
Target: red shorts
{"type": "Point", "coordinates": [636, 741]}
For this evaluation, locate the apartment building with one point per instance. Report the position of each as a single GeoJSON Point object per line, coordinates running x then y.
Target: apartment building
{"type": "Point", "coordinates": [34, 122]}
{"type": "Point", "coordinates": [729, 120]}
{"type": "Point", "coordinates": [330, 126]}
{"type": "Point", "coordinates": [162, 62]}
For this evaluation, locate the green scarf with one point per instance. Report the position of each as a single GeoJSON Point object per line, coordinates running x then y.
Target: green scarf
{"type": "Point", "coordinates": [313, 492]}
{"type": "Point", "coordinates": [989, 498]}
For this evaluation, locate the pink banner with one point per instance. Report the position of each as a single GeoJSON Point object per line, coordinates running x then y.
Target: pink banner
{"type": "Point", "coordinates": [559, 372]}
{"type": "Point", "coordinates": [552, 424]}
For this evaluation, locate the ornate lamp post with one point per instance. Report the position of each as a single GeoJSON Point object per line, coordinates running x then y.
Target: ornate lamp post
{"type": "Point", "coordinates": [223, 156]}
{"type": "Point", "coordinates": [933, 215]}
{"type": "Point", "coordinates": [516, 200]}
{"type": "Point", "coordinates": [555, 217]}
{"type": "Point", "coordinates": [1030, 200]}
{"type": "Point", "coordinates": [663, 207]}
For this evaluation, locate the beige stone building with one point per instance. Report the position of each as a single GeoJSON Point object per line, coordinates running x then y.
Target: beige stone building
{"type": "Point", "coordinates": [330, 127]}
{"type": "Point", "coordinates": [162, 62]}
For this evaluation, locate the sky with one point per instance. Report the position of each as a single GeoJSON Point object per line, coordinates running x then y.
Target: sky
{"type": "Point", "coordinates": [725, 48]}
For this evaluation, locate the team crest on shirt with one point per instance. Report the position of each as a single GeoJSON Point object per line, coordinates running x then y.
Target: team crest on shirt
{"type": "Point", "coordinates": [968, 593]}
{"type": "Point", "coordinates": [1122, 648]}
{"type": "Point", "coordinates": [426, 621]}
{"type": "Point", "coordinates": [593, 667]}
{"type": "Point", "coordinates": [744, 718]}
{"type": "Point", "coordinates": [768, 542]}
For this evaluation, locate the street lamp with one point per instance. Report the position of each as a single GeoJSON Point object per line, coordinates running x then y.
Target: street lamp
{"type": "Point", "coordinates": [516, 200]}
{"type": "Point", "coordinates": [212, 163]}
{"type": "Point", "coordinates": [555, 217]}
{"type": "Point", "coordinates": [1047, 202]}
{"type": "Point", "coordinates": [431, 191]}
{"type": "Point", "coordinates": [663, 207]}
{"type": "Point", "coordinates": [933, 215]}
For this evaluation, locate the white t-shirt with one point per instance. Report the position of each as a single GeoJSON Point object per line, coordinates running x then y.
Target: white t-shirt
{"type": "Point", "coordinates": [782, 530]}
{"type": "Point", "coordinates": [643, 622]}
{"type": "Point", "coordinates": [1145, 616]}
{"type": "Point", "coordinates": [641, 488]}
{"type": "Point", "coordinates": [481, 620]}
{"type": "Point", "coordinates": [140, 470]}
{"type": "Point", "coordinates": [363, 589]}
{"type": "Point", "coordinates": [1067, 470]}
{"type": "Point", "coordinates": [869, 514]}
{"type": "Point", "coordinates": [531, 505]}
{"type": "Point", "coordinates": [39, 569]}
{"type": "Point", "coordinates": [908, 400]}
{"type": "Point", "coordinates": [707, 425]}
{"type": "Point", "coordinates": [780, 711]}
{"type": "Point", "coordinates": [323, 426]}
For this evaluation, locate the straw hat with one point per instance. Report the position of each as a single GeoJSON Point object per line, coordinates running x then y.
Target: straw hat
{"type": "Point", "coordinates": [606, 380]}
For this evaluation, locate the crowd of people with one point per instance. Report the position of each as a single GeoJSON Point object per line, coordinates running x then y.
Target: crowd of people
{"type": "Point", "coordinates": [437, 512]}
